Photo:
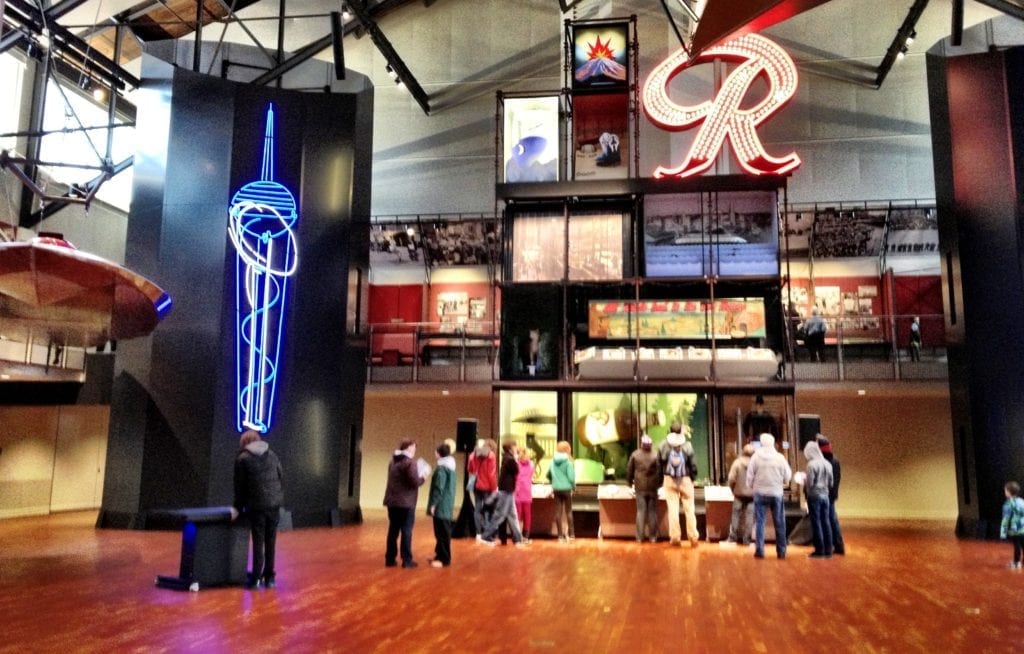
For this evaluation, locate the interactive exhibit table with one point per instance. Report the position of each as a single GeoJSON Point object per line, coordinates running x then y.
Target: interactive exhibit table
{"type": "Point", "coordinates": [214, 549]}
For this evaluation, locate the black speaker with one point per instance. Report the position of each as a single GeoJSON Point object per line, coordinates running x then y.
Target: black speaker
{"type": "Point", "coordinates": [465, 434]}
{"type": "Point", "coordinates": [809, 427]}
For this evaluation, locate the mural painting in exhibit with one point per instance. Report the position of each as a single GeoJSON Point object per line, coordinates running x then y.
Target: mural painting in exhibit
{"type": "Point", "coordinates": [725, 234]}
{"type": "Point", "coordinates": [530, 143]}
{"type": "Point", "coordinates": [677, 319]}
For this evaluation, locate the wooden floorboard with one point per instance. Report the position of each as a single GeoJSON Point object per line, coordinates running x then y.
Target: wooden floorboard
{"type": "Point", "coordinates": [67, 587]}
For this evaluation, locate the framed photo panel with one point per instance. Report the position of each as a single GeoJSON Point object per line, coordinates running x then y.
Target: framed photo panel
{"type": "Point", "coordinates": [531, 139]}
{"type": "Point", "coordinates": [600, 127]}
{"type": "Point", "coordinates": [600, 56]}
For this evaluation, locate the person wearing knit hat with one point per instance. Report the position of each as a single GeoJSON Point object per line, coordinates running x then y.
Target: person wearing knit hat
{"type": "Point", "coordinates": [838, 546]}
{"type": "Point", "coordinates": [767, 476]}
{"type": "Point", "coordinates": [643, 473]}
{"type": "Point", "coordinates": [742, 523]}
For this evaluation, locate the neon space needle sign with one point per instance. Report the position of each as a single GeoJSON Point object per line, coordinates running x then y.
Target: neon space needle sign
{"type": "Point", "coordinates": [261, 225]}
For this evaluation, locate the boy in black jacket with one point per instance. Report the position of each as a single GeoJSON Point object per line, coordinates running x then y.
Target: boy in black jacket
{"type": "Point", "coordinates": [259, 495]}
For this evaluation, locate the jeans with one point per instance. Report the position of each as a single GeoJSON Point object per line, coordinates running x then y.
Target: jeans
{"type": "Point", "coordinates": [263, 526]}
{"type": "Point", "coordinates": [443, 537]}
{"type": "Point", "coordinates": [504, 513]}
{"type": "Point", "coordinates": [838, 546]}
{"type": "Point", "coordinates": [563, 513]}
{"type": "Point", "coordinates": [821, 528]}
{"type": "Point", "coordinates": [482, 509]}
{"type": "Point", "coordinates": [761, 504]}
{"type": "Point", "coordinates": [400, 522]}
{"type": "Point", "coordinates": [646, 515]}
{"type": "Point", "coordinates": [742, 523]}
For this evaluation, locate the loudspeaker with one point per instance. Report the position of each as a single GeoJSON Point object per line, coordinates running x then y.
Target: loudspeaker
{"type": "Point", "coordinates": [809, 426]}
{"type": "Point", "coordinates": [465, 434]}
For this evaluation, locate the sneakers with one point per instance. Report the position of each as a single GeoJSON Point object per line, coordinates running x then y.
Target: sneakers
{"type": "Point", "coordinates": [410, 564]}
{"type": "Point", "coordinates": [269, 582]}
{"type": "Point", "coordinates": [1014, 566]}
{"type": "Point", "coordinates": [523, 543]}
{"type": "Point", "coordinates": [436, 564]}
{"type": "Point", "coordinates": [819, 555]}
{"type": "Point", "coordinates": [488, 543]}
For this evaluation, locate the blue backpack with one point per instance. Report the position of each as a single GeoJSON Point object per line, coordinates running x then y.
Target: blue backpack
{"type": "Point", "coordinates": [675, 463]}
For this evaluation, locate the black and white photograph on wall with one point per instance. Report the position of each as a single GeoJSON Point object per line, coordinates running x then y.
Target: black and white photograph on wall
{"type": "Point", "coordinates": [913, 231]}
{"type": "Point", "coordinates": [797, 239]}
{"type": "Point", "coordinates": [674, 235]}
{"type": "Point", "coordinates": [595, 246]}
{"type": "Point", "coordinates": [461, 242]}
{"type": "Point", "coordinates": [537, 251]}
{"type": "Point", "coordinates": [848, 233]}
{"type": "Point", "coordinates": [395, 244]}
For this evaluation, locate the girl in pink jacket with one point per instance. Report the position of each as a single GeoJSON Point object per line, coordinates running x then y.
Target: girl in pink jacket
{"type": "Point", "coordinates": [524, 492]}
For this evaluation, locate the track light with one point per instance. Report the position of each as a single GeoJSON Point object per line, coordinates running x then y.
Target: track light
{"type": "Point", "coordinates": [911, 37]}
{"type": "Point", "coordinates": [902, 53]}
{"type": "Point", "coordinates": [99, 94]}
{"type": "Point", "coordinates": [400, 84]}
{"type": "Point", "coordinates": [391, 71]}
{"type": "Point", "coordinates": [346, 15]}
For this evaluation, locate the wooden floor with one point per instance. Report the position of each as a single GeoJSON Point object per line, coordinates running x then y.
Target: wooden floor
{"type": "Point", "coordinates": [67, 587]}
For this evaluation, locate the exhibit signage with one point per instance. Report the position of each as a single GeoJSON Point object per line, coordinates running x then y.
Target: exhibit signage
{"type": "Point", "coordinates": [676, 319]}
{"type": "Point", "coordinates": [723, 116]}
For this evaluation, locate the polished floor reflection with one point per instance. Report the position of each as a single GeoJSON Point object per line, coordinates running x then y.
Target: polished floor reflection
{"type": "Point", "coordinates": [67, 587]}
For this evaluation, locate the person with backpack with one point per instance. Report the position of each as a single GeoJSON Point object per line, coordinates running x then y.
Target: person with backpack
{"type": "Point", "coordinates": [1012, 525]}
{"type": "Point", "coordinates": [679, 469]}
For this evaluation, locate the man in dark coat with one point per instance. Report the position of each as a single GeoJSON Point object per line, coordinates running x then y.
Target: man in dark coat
{"type": "Point", "coordinates": [405, 476]}
{"type": "Point", "coordinates": [258, 495]}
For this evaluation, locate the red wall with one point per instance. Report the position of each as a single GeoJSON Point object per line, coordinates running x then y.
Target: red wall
{"type": "Point", "coordinates": [389, 304]}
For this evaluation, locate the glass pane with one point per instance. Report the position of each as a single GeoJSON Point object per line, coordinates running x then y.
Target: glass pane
{"type": "Point", "coordinates": [531, 417]}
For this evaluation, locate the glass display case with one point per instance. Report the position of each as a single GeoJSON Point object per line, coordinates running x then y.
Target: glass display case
{"type": "Point", "coordinates": [531, 417]}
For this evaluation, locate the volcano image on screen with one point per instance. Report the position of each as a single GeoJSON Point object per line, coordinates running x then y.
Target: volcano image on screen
{"type": "Point", "coordinates": [600, 57]}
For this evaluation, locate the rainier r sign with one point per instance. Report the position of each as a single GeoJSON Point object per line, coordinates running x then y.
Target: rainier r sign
{"type": "Point", "coordinates": [723, 116]}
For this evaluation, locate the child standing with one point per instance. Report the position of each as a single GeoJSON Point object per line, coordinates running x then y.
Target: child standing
{"type": "Point", "coordinates": [562, 475]}
{"type": "Point", "coordinates": [1012, 526]}
{"type": "Point", "coordinates": [524, 493]}
{"type": "Point", "coordinates": [441, 505]}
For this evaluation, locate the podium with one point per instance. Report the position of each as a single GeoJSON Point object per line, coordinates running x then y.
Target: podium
{"type": "Point", "coordinates": [214, 549]}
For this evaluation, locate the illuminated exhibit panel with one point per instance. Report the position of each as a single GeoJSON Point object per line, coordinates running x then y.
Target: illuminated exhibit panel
{"type": "Point", "coordinates": [531, 417]}
{"type": "Point", "coordinates": [732, 234]}
{"type": "Point", "coordinates": [676, 363]}
{"type": "Point", "coordinates": [531, 139]}
{"type": "Point", "coordinates": [595, 246]}
{"type": "Point", "coordinates": [537, 251]}
{"type": "Point", "coordinates": [607, 426]}
{"type": "Point", "coordinates": [727, 318]}
{"type": "Point", "coordinates": [723, 116]}
{"type": "Point", "coordinates": [262, 218]}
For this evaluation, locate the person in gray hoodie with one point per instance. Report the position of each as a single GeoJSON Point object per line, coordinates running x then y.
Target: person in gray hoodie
{"type": "Point", "coordinates": [259, 495]}
{"type": "Point", "coordinates": [817, 485]}
{"type": "Point", "coordinates": [767, 476]}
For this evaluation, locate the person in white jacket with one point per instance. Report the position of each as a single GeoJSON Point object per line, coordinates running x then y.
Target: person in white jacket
{"type": "Point", "coordinates": [767, 476]}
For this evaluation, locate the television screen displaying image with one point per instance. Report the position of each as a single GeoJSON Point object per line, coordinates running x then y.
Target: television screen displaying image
{"type": "Point", "coordinates": [600, 56]}
{"type": "Point", "coordinates": [595, 246]}
{"type": "Point", "coordinates": [725, 234]}
{"type": "Point", "coordinates": [538, 254]}
{"type": "Point", "coordinates": [531, 139]}
{"type": "Point", "coordinates": [674, 238]}
{"type": "Point", "coordinates": [745, 234]}
{"type": "Point", "coordinates": [600, 127]}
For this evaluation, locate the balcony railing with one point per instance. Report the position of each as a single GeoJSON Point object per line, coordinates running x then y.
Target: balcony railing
{"type": "Point", "coordinates": [856, 348]}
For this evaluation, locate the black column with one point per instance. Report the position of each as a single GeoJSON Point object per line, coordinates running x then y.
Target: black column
{"type": "Point", "coordinates": [977, 116]}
